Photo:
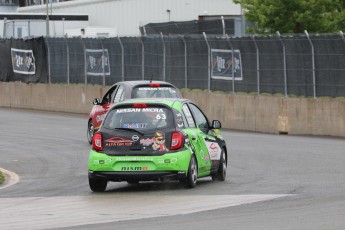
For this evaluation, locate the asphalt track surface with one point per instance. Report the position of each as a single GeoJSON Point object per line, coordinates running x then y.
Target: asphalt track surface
{"type": "Point", "coordinates": [273, 182]}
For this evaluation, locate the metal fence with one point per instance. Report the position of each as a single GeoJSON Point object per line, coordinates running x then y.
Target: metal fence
{"type": "Point", "coordinates": [299, 65]}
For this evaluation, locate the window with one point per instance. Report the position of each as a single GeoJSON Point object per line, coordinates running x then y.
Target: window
{"type": "Point", "coordinates": [200, 118]}
{"type": "Point", "coordinates": [119, 94]}
{"type": "Point", "coordinates": [188, 116]}
{"type": "Point", "coordinates": [139, 118]}
{"type": "Point", "coordinates": [155, 92]}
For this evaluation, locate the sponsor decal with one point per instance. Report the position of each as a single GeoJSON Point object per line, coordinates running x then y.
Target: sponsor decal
{"type": "Point", "coordinates": [100, 118]}
{"type": "Point", "coordinates": [157, 89]}
{"type": "Point", "coordinates": [226, 64]}
{"type": "Point", "coordinates": [135, 168]}
{"type": "Point", "coordinates": [102, 162]}
{"type": "Point", "coordinates": [135, 125]}
{"type": "Point", "coordinates": [133, 159]}
{"type": "Point", "coordinates": [217, 133]}
{"type": "Point", "coordinates": [118, 141]}
{"type": "Point", "coordinates": [138, 110]}
{"type": "Point", "coordinates": [179, 120]}
{"type": "Point", "coordinates": [146, 142]}
{"type": "Point", "coordinates": [204, 156]}
{"type": "Point", "coordinates": [214, 150]}
{"type": "Point", "coordinates": [135, 137]}
{"type": "Point", "coordinates": [159, 142]}
{"type": "Point", "coordinates": [23, 61]}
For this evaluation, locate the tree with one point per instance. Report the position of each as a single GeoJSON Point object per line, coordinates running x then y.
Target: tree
{"type": "Point", "coordinates": [294, 16]}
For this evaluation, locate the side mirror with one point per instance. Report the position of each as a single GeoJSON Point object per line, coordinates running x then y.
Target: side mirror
{"type": "Point", "coordinates": [96, 101]}
{"type": "Point", "coordinates": [216, 124]}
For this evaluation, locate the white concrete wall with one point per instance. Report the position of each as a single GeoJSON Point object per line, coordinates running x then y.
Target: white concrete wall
{"type": "Point", "coordinates": [301, 116]}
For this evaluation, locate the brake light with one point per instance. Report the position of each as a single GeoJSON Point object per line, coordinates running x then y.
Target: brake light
{"type": "Point", "coordinates": [177, 140]}
{"type": "Point", "coordinates": [154, 85]}
{"type": "Point", "coordinates": [97, 141]}
{"type": "Point", "coordinates": [139, 105]}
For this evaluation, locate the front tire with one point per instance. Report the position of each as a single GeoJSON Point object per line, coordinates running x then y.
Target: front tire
{"type": "Point", "coordinates": [192, 175]}
{"type": "Point", "coordinates": [97, 185]}
{"type": "Point", "coordinates": [90, 131]}
{"type": "Point", "coordinates": [221, 173]}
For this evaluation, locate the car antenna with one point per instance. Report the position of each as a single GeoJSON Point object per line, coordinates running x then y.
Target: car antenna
{"type": "Point", "coordinates": [151, 78]}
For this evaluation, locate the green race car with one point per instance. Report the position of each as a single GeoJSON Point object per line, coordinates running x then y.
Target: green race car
{"type": "Point", "coordinates": [156, 140]}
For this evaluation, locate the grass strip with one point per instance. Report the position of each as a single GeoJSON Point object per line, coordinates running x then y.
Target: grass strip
{"type": "Point", "coordinates": [2, 177]}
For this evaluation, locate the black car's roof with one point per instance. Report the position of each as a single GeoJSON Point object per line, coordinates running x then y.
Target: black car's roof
{"type": "Point", "coordinates": [166, 101]}
{"type": "Point", "coordinates": [144, 82]}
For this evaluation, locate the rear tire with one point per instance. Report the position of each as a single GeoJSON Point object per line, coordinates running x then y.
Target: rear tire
{"type": "Point", "coordinates": [192, 175]}
{"type": "Point", "coordinates": [221, 173]}
{"type": "Point", "coordinates": [133, 182]}
{"type": "Point", "coordinates": [90, 131]}
{"type": "Point", "coordinates": [97, 185]}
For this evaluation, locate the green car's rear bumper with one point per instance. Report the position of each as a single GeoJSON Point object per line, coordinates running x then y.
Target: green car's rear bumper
{"type": "Point", "coordinates": [140, 168]}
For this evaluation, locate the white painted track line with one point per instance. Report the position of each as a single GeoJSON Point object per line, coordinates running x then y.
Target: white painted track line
{"type": "Point", "coordinates": [55, 212]}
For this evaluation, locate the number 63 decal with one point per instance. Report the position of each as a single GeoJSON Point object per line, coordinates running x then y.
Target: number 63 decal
{"type": "Point", "coordinates": [160, 116]}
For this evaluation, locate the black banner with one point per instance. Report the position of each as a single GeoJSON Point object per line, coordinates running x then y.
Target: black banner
{"type": "Point", "coordinates": [97, 61]}
{"type": "Point", "coordinates": [226, 64]}
{"type": "Point", "coordinates": [23, 61]}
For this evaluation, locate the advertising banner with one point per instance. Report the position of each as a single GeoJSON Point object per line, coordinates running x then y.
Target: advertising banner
{"type": "Point", "coordinates": [97, 62]}
{"type": "Point", "coordinates": [226, 64]}
{"type": "Point", "coordinates": [23, 61]}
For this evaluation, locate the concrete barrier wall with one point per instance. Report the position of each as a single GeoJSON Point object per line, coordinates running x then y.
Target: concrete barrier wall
{"type": "Point", "coordinates": [237, 112]}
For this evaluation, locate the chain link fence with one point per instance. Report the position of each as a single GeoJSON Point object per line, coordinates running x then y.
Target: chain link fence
{"type": "Point", "coordinates": [298, 65]}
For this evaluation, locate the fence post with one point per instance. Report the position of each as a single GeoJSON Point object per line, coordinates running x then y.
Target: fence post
{"type": "Point", "coordinates": [313, 62]}
{"type": "Point", "coordinates": [223, 25]}
{"type": "Point", "coordinates": [209, 63]}
{"type": "Point", "coordinates": [185, 62]}
{"type": "Point", "coordinates": [29, 28]}
{"type": "Point", "coordinates": [5, 25]}
{"type": "Point", "coordinates": [142, 59]}
{"type": "Point", "coordinates": [67, 60]}
{"type": "Point", "coordinates": [284, 60]}
{"type": "Point", "coordinates": [48, 60]}
{"type": "Point", "coordinates": [164, 55]}
{"type": "Point", "coordinates": [144, 29]}
{"type": "Point", "coordinates": [342, 34]}
{"type": "Point", "coordinates": [257, 66]}
{"type": "Point", "coordinates": [103, 65]}
{"type": "Point", "coordinates": [232, 64]}
{"type": "Point", "coordinates": [122, 59]}
{"type": "Point", "coordinates": [85, 61]}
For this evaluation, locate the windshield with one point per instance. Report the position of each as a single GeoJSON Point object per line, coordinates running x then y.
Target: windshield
{"type": "Point", "coordinates": [139, 118]}
{"type": "Point", "coordinates": [155, 92]}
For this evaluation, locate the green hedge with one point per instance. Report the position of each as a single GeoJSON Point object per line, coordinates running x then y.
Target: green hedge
{"type": "Point", "coordinates": [2, 177]}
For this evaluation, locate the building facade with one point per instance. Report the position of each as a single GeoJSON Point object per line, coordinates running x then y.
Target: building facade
{"type": "Point", "coordinates": [127, 16]}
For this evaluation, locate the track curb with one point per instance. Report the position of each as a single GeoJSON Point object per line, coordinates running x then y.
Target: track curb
{"type": "Point", "coordinates": [11, 178]}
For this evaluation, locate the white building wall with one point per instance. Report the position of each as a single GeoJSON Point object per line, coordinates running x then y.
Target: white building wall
{"type": "Point", "coordinates": [127, 15]}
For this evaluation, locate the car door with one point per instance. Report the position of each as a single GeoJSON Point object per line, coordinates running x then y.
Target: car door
{"type": "Point", "coordinates": [196, 137]}
{"type": "Point", "coordinates": [113, 96]}
{"type": "Point", "coordinates": [206, 136]}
